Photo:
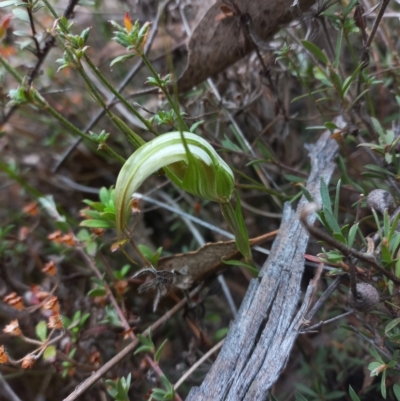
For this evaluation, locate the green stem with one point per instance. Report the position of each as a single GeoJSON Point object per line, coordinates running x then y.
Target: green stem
{"type": "Point", "coordinates": [183, 125]}
{"type": "Point", "coordinates": [236, 223]}
{"type": "Point", "coordinates": [111, 152]}
{"type": "Point", "coordinates": [51, 9]}
{"type": "Point", "coordinates": [107, 84]}
{"type": "Point", "coordinates": [134, 138]}
{"type": "Point", "coordinates": [11, 70]}
{"type": "Point", "coordinates": [42, 103]}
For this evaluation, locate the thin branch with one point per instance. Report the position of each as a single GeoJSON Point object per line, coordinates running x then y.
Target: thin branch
{"type": "Point", "coordinates": [198, 363]}
{"type": "Point", "coordinates": [346, 250]}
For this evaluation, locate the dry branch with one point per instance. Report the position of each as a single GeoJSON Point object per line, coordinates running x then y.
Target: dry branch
{"type": "Point", "coordinates": [217, 43]}
{"type": "Point", "coordinates": [260, 340]}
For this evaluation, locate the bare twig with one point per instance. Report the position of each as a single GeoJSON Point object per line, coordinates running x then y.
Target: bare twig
{"type": "Point", "coordinates": [325, 322]}
{"type": "Point", "coordinates": [197, 364]}
{"type": "Point", "coordinates": [376, 23]}
{"type": "Point", "coordinates": [7, 391]}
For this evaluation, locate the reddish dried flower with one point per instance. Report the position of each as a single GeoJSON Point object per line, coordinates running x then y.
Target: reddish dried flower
{"type": "Point", "coordinates": [68, 239]}
{"type": "Point", "coordinates": [50, 268]}
{"type": "Point", "coordinates": [14, 300]}
{"type": "Point", "coordinates": [55, 322]}
{"type": "Point", "coordinates": [31, 208]}
{"type": "Point", "coordinates": [95, 358]}
{"type": "Point", "coordinates": [37, 294]}
{"type": "Point", "coordinates": [127, 333]}
{"type": "Point", "coordinates": [13, 328]}
{"type": "Point", "coordinates": [55, 237]}
{"type": "Point", "coordinates": [135, 205]}
{"type": "Point", "coordinates": [97, 231]}
{"type": "Point", "coordinates": [27, 362]}
{"type": "Point", "coordinates": [120, 286]}
{"type": "Point", "coordinates": [3, 355]}
{"type": "Point", "coordinates": [23, 232]}
{"type": "Point", "coordinates": [52, 304]}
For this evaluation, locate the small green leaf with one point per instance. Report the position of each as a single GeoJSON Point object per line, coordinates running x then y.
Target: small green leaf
{"type": "Point", "coordinates": [221, 333]}
{"type": "Point", "coordinates": [50, 353]}
{"type": "Point", "coordinates": [97, 292]}
{"type": "Point", "coordinates": [378, 127]}
{"type": "Point", "coordinates": [121, 59]}
{"type": "Point", "coordinates": [375, 354]}
{"type": "Point", "coordinates": [315, 50]}
{"type": "Point", "coordinates": [306, 193]}
{"type": "Point", "coordinates": [41, 330]}
{"type": "Point", "coordinates": [21, 14]}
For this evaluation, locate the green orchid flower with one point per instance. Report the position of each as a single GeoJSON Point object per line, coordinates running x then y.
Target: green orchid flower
{"type": "Point", "coordinates": [193, 165]}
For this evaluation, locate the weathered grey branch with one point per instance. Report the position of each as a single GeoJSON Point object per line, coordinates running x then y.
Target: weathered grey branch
{"type": "Point", "coordinates": [260, 340]}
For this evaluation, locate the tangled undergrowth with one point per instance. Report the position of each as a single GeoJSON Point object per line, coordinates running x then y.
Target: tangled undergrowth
{"type": "Point", "coordinates": [113, 292]}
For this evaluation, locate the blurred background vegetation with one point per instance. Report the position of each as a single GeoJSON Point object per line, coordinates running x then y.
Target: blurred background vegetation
{"type": "Point", "coordinates": [259, 113]}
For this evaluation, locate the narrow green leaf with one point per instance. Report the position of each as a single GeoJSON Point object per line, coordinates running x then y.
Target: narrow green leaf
{"type": "Point", "coordinates": [336, 205]}
{"type": "Point", "coordinates": [386, 224]}
{"type": "Point", "coordinates": [348, 81]}
{"type": "Point", "coordinates": [338, 49]}
{"type": "Point", "coordinates": [396, 390]}
{"type": "Point", "coordinates": [306, 193]}
{"type": "Point", "coordinates": [392, 325]}
{"type": "Point", "coordinates": [157, 355]}
{"type": "Point", "coordinates": [349, 7]}
{"type": "Point", "coordinates": [332, 223]}
{"type": "Point", "coordinates": [353, 395]}
{"type": "Point", "coordinates": [92, 223]}
{"type": "Point", "coordinates": [352, 235]}
{"type": "Point", "coordinates": [378, 127]}
{"type": "Point", "coordinates": [315, 50]}
{"type": "Point", "coordinates": [252, 269]}
{"type": "Point", "coordinates": [383, 384]}
{"type": "Point", "coordinates": [325, 198]}
{"type": "Point", "coordinates": [300, 397]}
